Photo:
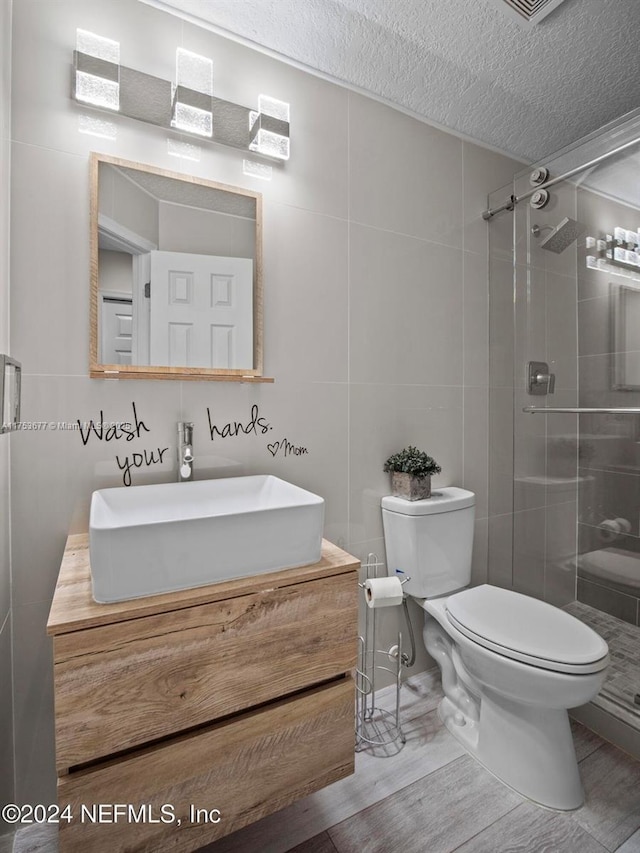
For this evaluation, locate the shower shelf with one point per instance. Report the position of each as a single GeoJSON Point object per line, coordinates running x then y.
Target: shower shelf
{"type": "Point", "coordinates": [621, 410]}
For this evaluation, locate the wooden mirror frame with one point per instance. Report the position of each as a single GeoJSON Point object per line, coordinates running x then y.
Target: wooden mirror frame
{"type": "Point", "coordinates": [98, 370]}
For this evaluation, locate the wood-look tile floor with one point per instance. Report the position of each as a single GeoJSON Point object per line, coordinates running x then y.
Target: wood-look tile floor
{"type": "Point", "coordinates": [431, 797]}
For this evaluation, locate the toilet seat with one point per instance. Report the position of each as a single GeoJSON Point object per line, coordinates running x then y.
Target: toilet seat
{"type": "Point", "coordinates": [527, 630]}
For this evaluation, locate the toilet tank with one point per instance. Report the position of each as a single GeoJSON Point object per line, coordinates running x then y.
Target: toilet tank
{"type": "Point", "coordinates": [430, 541]}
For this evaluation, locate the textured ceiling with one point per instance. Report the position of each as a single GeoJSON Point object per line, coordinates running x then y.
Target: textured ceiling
{"type": "Point", "coordinates": [464, 64]}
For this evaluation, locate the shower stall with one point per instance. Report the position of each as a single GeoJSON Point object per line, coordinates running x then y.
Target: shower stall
{"type": "Point", "coordinates": [564, 470]}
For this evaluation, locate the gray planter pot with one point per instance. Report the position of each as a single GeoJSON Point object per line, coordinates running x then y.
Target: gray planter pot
{"type": "Point", "coordinates": [409, 487]}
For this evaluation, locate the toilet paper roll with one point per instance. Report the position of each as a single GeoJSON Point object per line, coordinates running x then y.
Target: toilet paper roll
{"type": "Point", "coordinates": [611, 528]}
{"type": "Point", "coordinates": [383, 592]}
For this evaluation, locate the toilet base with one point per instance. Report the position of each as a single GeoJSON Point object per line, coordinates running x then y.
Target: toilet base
{"type": "Point", "coordinates": [530, 749]}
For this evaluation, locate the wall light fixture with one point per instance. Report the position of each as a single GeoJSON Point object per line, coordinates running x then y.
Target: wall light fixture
{"type": "Point", "coordinates": [270, 128]}
{"type": "Point", "coordinates": [191, 108]}
{"type": "Point", "coordinates": [97, 71]}
{"type": "Point", "coordinates": [188, 105]}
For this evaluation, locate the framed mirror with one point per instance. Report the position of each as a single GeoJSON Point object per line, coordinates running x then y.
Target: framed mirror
{"type": "Point", "coordinates": [176, 275]}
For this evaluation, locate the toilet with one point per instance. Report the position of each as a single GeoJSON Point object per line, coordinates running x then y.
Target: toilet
{"type": "Point", "coordinates": [511, 665]}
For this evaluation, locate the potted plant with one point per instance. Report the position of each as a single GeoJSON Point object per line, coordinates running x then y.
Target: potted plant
{"type": "Point", "coordinates": [411, 471]}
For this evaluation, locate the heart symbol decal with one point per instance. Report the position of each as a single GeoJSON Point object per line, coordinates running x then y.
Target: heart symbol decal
{"type": "Point", "coordinates": [273, 448]}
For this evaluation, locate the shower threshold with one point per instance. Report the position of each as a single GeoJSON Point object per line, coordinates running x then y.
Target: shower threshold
{"type": "Point", "coordinates": [620, 695]}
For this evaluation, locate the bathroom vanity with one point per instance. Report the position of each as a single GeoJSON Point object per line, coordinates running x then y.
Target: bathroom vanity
{"type": "Point", "coordinates": [188, 715]}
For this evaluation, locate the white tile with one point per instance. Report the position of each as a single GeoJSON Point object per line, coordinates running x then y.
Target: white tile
{"type": "Point", "coordinates": [562, 330]}
{"type": "Point", "coordinates": [43, 111]}
{"type": "Point", "coordinates": [50, 260]}
{"type": "Point", "coordinates": [383, 420]}
{"type": "Point", "coordinates": [501, 224]}
{"type": "Point", "coordinates": [480, 557]}
{"type": "Point", "coordinates": [530, 319]}
{"type": "Point", "coordinates": [529, 455]}
{"type": "Point", "coordinates": [315, 178]}
{"type": "Point", "coordinates": [484, 172]}
{"type": "Point", "coordinates": [405, 310]}
{"type": "Point", "coordinates": [475, 474]}
{"type": "Point", "coordinates": [476, 319]}
{"type": "Point", "coordinates": [500, 451]}
{"type": "Point", "coordinates": [312, 416]}
{"type": "Point", "coordinates": [306, 295]}
{"type": "Point", "coordinates": [500, 551]}
{"type": "Point", "coordinates": [54, 472]}
{"type": "Point", "coordinates": [529, 538]}
{"type": "Point", "coordinates": [501, 323]}
{"type": "Point", "coordinates": [561, 545]}
{"type": "Point", "coordinates": [404, 176]}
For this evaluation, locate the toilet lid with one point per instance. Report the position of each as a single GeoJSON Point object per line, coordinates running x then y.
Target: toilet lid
{"type": "Point", "coordinates": [525, 629]}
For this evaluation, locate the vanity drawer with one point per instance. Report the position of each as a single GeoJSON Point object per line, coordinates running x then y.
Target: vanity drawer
{"type": "Point", "coordinates": [118, 686]}
{"type": "Point", "coordinates": [248, 767]}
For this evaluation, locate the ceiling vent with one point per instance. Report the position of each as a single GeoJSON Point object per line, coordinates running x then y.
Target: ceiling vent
{"type": "Point", "coordinates": [527, 12]}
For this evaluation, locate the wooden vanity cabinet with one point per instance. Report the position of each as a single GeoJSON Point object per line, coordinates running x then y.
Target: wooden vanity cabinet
{"type": "Point", "coordinates": [182, 717]}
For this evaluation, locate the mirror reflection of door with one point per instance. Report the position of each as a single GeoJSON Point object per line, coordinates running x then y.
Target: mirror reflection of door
{"type": "Point", "coordinates": [201, 310]}
{"type": "Point", "coordinates": [178, 272]}
{"type": "Point", "coordinates": [117, 319]}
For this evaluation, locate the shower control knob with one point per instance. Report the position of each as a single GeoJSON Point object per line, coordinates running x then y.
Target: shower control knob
{"type": "Point", "coordinates": [539, 380]}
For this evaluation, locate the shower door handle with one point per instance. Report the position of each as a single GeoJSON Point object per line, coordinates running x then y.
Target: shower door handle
{"type": "Point", "coordinates": [540, 381]}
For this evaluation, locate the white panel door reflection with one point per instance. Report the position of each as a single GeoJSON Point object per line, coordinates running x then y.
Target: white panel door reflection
{"type": "Point", "coordinates": [201, 312]}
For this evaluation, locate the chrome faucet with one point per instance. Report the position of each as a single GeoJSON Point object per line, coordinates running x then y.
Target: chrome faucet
{"type": "Point", "coordinates": [185, 451]}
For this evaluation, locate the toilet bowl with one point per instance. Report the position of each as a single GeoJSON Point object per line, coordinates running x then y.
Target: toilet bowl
{"type": "Point", "coordinates": [511, 665]}
{"type": "Point", "coordinates": [507, 704]}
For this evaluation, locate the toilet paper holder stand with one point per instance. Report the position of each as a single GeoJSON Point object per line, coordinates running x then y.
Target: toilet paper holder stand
{"type": "Point", "coordinates": [376, 726]}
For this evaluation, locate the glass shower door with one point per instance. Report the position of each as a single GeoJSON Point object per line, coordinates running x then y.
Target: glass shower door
{"type": "Point", "coordinates": [565, 334]}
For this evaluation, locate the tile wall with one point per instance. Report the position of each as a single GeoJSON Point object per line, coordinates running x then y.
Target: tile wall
{"type": "Point", "coordinates": [376, 311]}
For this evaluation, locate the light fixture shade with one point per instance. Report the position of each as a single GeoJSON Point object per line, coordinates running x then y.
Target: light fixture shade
{"type": "Point", "coordinates": [97, 70]}
{"type": "Point", "coordinates": [269, 133]}
{"type": "Point", "coordinates": [191, 109]}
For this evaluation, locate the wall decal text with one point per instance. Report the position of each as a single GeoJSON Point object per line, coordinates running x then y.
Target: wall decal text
{"type": "Point", "coordinates": [256, 425]}
{"type": "Point", "coordinates": [139, 460]}
{"type": "Point", "coordinates": [106, 431]}
{"type": "Point", "coordinates": [285, 448]}
{"type": "Point", "coordinates": [112, 431]}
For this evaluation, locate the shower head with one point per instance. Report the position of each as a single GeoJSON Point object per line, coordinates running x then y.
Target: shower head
{"type": "Point", "coordinates": [561, 237]}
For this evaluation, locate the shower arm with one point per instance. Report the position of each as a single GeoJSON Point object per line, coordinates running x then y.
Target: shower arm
{"type": "Point", "coordinates": [514, 199]}
{"type": "Point", "coordinates": [621, 410]}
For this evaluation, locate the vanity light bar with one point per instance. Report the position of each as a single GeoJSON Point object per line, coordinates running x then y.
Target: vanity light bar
{"type": "Point", "coordinates": [188, 106]}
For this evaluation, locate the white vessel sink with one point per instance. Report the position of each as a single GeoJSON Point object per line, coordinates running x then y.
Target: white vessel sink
{"type": "Point", "coordinates": [145, 540]}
